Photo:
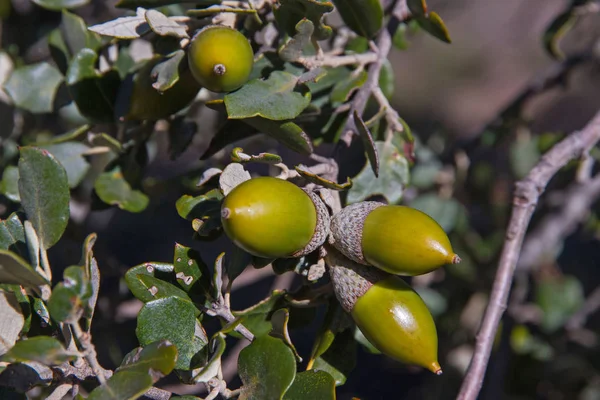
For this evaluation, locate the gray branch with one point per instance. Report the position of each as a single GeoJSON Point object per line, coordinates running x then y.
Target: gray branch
{"type": "Point", "coordinates": [527, 193]}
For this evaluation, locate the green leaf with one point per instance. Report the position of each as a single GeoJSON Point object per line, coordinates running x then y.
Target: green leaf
{"type": "Point", "coordinates": [400, 40]}
{"type": "Point", "coordinates": [204, 211]}
{"type": "Point", "coordinates": [124, 27]}
{"type": "Point", "coordinates": [213, 366]}
{"type": "Point", "coordinates": [434, 25]}
{"type": "Point", "coordinates": [161, 271]}
{"type": "Point", "coordinates": [10, 183]}
{"type": "Point", "coordinates": [257, 317]}
{"type": "Point", "coordinates": [171, 319]}
{"type": "Point", "coordinates": [558, 28]}
{"type": "Point", "coordinates": [289, 12]}
{"type": "Point", "coordinates": [124, 385]}
{"type": "Point", "coordinates": [33, 87]}
{"type": "Point", "coordinates": [43, 349]}
{"type": "Point", "coordinates": [76, 35]}
{"type": "Point", "coordinates": [286, 132]}
{"type": "Point", "coordinates": [340, 358]}
{"type": "Point", "coordinates": [69, 297]}
{"type": "Point", "coordinates": [559, 299]}
{"type": "Point", "coordinates": [280, 320]}
{"type": "Point", "coordinates": [364, 17]}
{"type": "Point", "coordinates": [163, 26]}
{"type": "Point", "coordinates": [444, 211]}
{"type": "Point", "coordinates": [167, 71]}
{"type": "Point", "coordinates": [73, 135]}
{"type": "Point", "coordinates": [279, 97]}
{"type": "Point", "coordinates": [309, 176]}
{"type": "Point", "coordinates": [112, 188]}
{"type": "Point", "coordinates": [236, 262]}
{"type": "Point", "coordinates": [417, 7]}
{"type": "Point", "coordinates": [70, 155]}
{"type": "Point", "coordinates": [292, 50]}
{"type": "Point", "coordinates": [13, 269]}
{"type": "Point", "coordinates": [343, 88]}
{"type": "Point", "coordinates": [133, 4]}
{"type": "Point", "coordinates": [312, 385]}
{"type": "Point", "coordinates": [12, 235]}
{"type": "Point", "coordinates": [191, 272]}
{"type": "Point", "coordinates": [94, 93]}
{"type": "Point", "coordinates": [368, 143]}
{"type": "Point", "coordinates": [393, 177]}
{"type": "Point", "coordinates": [44, 191]}
{"type": "Point", "coordinates": [158, 289]}
{"type": "Point", "coordinates": [238, 156]}
{"type": "Point", "coordinates": [267, 369]}
{"type": "Point", "coordinates": [58, 5]}
{"type": "Point", "coordinates": [157, 359]}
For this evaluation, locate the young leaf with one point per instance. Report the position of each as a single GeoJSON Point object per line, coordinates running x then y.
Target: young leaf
{"type": "Point", "coordinates": [267, 369]}
{"type": "Point", "coordinates": [44, 191]}
{"type": "Point", "coordinates": [157, 359]}
{"type": "Point", "coordinates": [43, 349]}
{"type": "Point", "coordinates": [277, 98]}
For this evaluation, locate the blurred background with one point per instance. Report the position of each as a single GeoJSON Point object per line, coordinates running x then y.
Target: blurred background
{"type": "Point", "coordinates": [474, 140]}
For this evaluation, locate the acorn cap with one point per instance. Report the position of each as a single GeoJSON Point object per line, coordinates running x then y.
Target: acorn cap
{"type": "Point", "coordinates": [321, 229]}
{"type": "Point", "coordinates": [347, 227]}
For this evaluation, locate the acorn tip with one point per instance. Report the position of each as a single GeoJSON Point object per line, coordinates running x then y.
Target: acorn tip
{"type": "Point", "coordinates": [225, 213]}
{"type": "Point", "coordinates": [435, 368]}
{"type": "Point", "coordinates": [456, 259]}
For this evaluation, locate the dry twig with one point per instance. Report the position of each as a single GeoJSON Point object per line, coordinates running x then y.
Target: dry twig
{"type": "Point", "coordinates": [527, 193]}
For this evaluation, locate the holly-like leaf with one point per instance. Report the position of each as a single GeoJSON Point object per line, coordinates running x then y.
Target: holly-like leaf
{"type": "Point", "coordinates": [44, 192]}
{"type": "Point", "coordinates": [267, 369]}
{"type": "Point", "coordinates": [289, 12]}
{"type": "Point", "coordinates": [112, 188]}
{"type": "Point", "coordinates": [312, 385]}
{"type": "Point", "coordinates": [278, 97]}
{"type": "Point", "coordinates": [33, 87]}
{"type": "Point", "coordinates": [393, 177]}
{"type": "Point", "coordinates": [94, 93]}
{"type": "Point", "coordinates": [43, 349]}
{"type": "Point", "coordinates": [71, 156]}
{"type": "Point", "coordinates": [10, 183]}
{"type": "Point", "coordinates": [292, 50]}
{"type": "Point", "coordinates": [364, 17]}
{"type": "Point", "coordinates": [171, 319]}
{"type": "Point", "coordinates": [57, 5]}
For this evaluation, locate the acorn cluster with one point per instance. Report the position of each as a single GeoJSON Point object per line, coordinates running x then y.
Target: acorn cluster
{"type": "Point", "coordinates": [368, 246]}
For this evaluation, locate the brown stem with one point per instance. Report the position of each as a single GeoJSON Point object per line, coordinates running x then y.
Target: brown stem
{"type": "Point", "coordinates": [527, 193]}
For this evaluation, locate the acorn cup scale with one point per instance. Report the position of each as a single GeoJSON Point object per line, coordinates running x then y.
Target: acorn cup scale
{"type": "Point", "coordinates": [273, 218]}
{"type": "Point", "coordinates": [397, 239]}
{"type": "Point", "coordinates": [220, 58]}
{"type": "Point", "coordinates": [389, 313]}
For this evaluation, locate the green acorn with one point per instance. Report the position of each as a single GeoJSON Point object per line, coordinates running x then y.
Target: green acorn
{"type": "Point", "coordinates": [397, 239]}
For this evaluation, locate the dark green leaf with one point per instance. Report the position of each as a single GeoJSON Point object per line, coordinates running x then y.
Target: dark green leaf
{"type": "Point", "coordinates": [133, 4]}
{"type": "Point", "coordinates": [267, 369]}
{"type": "Point", "coordinates": [160, 271]}
{"type": "Point", "coordinates": [280, 320]}
{"type": "Point", "coordinates": [13, 269]}
{"type": "Point", "coordinates": [434, 24]}
{"type": "Point", "coordinates": [286, 132]}
{"type": "Point", "coordinates": [76, 34]}
{"type": "Point", "coordinates": [343, 88]}
{"type": "Point", "coordinates": [400, 40]}
{"type": "Point", "coordinates": [69, 297]}
{"type": "Point", "coordinates": [167, 72]}
{"type": "Point", "coordinates": [70, 155]}
{"type": "Point", "coordinates": [368, 143]}
{"type": "Point", "coordinates": [10, 183]}
{"type": "Point", "coordinates": [277, 98]}
{"type": "Point", "coordinates": [364, 17]}
{"type": "Point", "coordinates": [33, 87]}
{"type": "Point", "coordinates": [559, 299]}
{"type": "Point", "coordinates": [157, 359]}
{"type": "Point", "coordinates": [339, 359]}
{"type": "Point", "coordinates": [43, 349]}
{"type": "Point", "coordinates": [171, 319]}
{"type": "Point", "coordinates": [558, 28]}
{"type": "Point", "coordinates": [94, 93]}
{"type": "Point", "coordinates": [191, 272]}
{"type": "Point", "coordinates": [312, 385]}
{"type": "Point", "coordinates": [293, 49]}
{"type": "Point", "coordinates": [44, 191]}
{"type": "Point", "coordinates": [112, 188]}
{"type": "Point", "coordinates": [12, 235]}
{"type": "Point", "coordinates": [386, 79]}
{"type": "Point", "coordinates": [189, 207]}
{"type": "Point", "coordinates": [417, 7]}
{"type": "Point", "coordinates": [58, 50]}
{"type": "Point", "coordinates": [124, 385]}
{"type": "Point", "coordinates": [157, 289]}
{"type": "Point", "coordinates": [212, 367]}
{"type": "Point", "coordinates": [58, 5]}
{"type": "Point", "coordinates": [74, 135]}
{"type": "Point", "coordinates": [289, 12]}
{"type": "Point", "coordinates": [236, 261]}
{"type": "Point", "coordinates": [393, 177]}
{"type": "Point", "coordinates": [257, 317]}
